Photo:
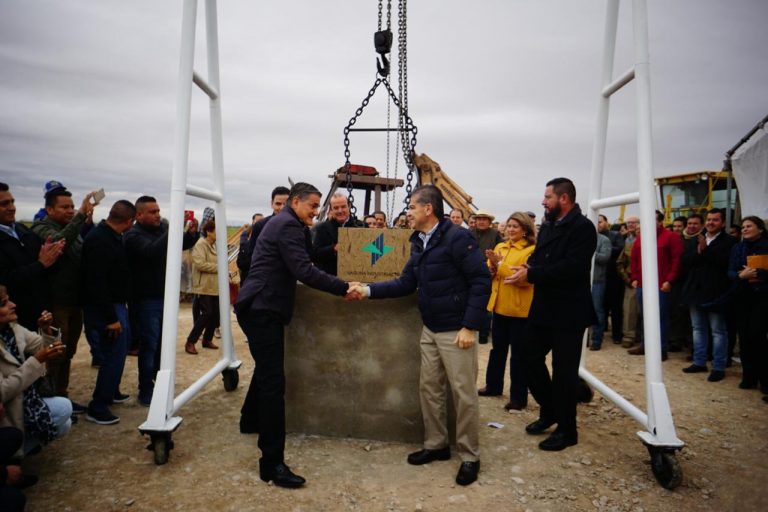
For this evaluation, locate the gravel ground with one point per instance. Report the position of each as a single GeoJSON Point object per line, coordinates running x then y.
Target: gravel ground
{"type": "Point", "coordinates": [214, 467]}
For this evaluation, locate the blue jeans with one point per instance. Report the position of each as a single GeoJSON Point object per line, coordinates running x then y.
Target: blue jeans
{"type": "Point", "coordinates": [598, 297]}
{"type": "Point", "coordinates": [150, 320]}
{"type": "Point", "coordinates": [702, 322]}
{"type": "Point", "coordinates": [113, 351]}
{"type": "Point", "coordinates": [663, 316]}
{"type": "Point", "coordinates": [61, 414]}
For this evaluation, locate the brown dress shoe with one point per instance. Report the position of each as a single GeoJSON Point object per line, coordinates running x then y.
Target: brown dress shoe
{"type": "Point", "coordinates": [209, 344]}
{"type": "Point", "coordinates": [189, 348]}
{"type": "Point", "coordinates": [637, 351]}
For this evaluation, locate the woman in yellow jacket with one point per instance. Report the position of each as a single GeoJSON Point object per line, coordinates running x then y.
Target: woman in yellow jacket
{"type": "Point", "coordinates": [510, 304]}
{"type": "Point", "coordinates": [205, 287]}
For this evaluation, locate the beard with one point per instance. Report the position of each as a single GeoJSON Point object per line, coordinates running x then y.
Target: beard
{"type": "Point", "coordinates": [553, 213]}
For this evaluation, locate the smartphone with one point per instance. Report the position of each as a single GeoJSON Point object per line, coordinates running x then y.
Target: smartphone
{"type": "Point", "coordinates": [98, 196]}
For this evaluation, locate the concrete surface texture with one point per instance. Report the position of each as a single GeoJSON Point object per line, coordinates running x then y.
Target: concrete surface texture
{"type": "Point", "coordinates": [352, 368]}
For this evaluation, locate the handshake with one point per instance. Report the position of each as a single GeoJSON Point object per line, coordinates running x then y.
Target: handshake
{"type": "Point", "coordinates": [357, 291]}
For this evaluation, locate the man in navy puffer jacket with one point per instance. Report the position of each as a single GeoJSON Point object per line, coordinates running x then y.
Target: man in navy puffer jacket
{"type": "Point", "coordinates": [454, 285]}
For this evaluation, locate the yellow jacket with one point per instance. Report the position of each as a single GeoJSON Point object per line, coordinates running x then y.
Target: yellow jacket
{"type": "Point", "coordinates": [509, 299]}
{"type": "Point", "coordinates": [204, 275]}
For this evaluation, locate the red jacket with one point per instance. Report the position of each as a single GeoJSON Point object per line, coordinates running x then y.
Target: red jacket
{"type": "Point", "coordinates": [669, 249]}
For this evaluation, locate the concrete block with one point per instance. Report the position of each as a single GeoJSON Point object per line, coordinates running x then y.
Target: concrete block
{"type": "Point", "coordinates": [352, 368]}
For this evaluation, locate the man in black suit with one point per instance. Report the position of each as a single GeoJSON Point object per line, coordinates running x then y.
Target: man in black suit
{"type": "Point", "coordinates": [264, 307]}
{"type": "Point", "coordinates": [326, 239]}
{"type": "Point", "coordinates": [707, 263]}
{"type": "Point", "coordinates": [561, 310]}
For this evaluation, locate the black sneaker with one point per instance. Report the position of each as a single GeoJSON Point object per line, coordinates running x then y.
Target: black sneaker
{"type": "Point", "coordinates": [78, 408]}
{"type": "Point", "coordinates": [716, 376]}
{"type": "Point", "coordinates": [120, 398]}
{"type": "Point", "coordinates": [102, 418]}
{"type": "Point", "coordinates": [694, 368]}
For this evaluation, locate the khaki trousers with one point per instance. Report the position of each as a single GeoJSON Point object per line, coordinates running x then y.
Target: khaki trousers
{"type": "Point", "coordinates": [630, 313]}
{"type": "Point", "coordinates": [442, 360]}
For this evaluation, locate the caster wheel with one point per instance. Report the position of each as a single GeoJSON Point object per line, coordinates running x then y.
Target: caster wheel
{"type": "Point", "coordinates": [231, 379]}
{"type": "Point", "coordinates": [161, 445]}
{"type": "Point", "coordinates": [585, 392]}
{"type": "Point", "coordinates": [666, 469]}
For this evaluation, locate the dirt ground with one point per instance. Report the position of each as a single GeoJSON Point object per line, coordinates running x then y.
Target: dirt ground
{"type": "Point", "coordinates": [214, 467]}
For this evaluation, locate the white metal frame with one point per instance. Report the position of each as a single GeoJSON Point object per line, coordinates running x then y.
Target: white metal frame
{"type": "Point", "coordinates": [161, 418]}
{"type": "Point", "coordinates": [660, 429]}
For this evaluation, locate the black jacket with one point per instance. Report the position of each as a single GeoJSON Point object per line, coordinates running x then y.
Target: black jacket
{"type": "Point", "coordinates": [245, 253]}
{"type": "Point", "coordinates": [559, 271]}
{"type": "Point", "coordinates": [707, 273]}
{"type": "Point", "coordinates": [147, 247]}
{"type": "Point", "coordinates": [280, 258]}
{"type": "Point", "coordinates": [451, 276]}
{"type": "Point", "coordinates": [24, 276]}
{"type": "Point", "coordinates": [106, 273]}
{"type": "Point", "coordinates": [326, 236]}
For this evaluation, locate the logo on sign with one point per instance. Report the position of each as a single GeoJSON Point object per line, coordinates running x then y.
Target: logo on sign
{"type": "Point", "coordinates": [377, 249]}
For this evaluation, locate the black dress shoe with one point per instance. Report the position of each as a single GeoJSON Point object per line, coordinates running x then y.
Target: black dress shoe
{"type": "Point", "coordinates": [486, 392]}
{"type": "Point", "coordinates": [694, 368]}
{"type": "Point", "coordinates": [426, 456]}
{"type": "Point", "coordinates": [281, 475]}
{"type": "Point", "coordinates": [468, 472]}
{"type": "Point", "coordinates": [539, 426]}
{"type": "Point", "coordinates": [664, 355]}
{"type": "Point", "coordinates": [559, 441]}
{"type": "Point", "coordinates": [716, 376]}
{"type": "Point", "coordinates": [747, 384]}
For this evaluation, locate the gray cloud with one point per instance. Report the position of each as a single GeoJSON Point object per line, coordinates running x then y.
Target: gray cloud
{"type": "Point", "coordinates": [504, 93]}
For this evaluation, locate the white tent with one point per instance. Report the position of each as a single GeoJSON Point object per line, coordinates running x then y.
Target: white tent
{"type": "Point", "coordinates": [750, 169]}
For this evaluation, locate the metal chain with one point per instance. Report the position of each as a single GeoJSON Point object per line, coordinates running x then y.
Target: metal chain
{"type": "Point", "coordinates": [409, 146]}
{"type": "Point", "coordinates": [387, 196]}
{"type": "Point", "coordinates": [389, 14]}
{"type": "Point", "coordinates": [405, 120]}
{"type": "Point", "coordinates": [380, 7]}
{"type": "Point", "coordinates": [347, 154]}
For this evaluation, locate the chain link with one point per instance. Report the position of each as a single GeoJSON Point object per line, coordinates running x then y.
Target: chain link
{"type": "Point", "coordinates": [380, 7]}
{"type": "Point", "coordinates": [347, 153]}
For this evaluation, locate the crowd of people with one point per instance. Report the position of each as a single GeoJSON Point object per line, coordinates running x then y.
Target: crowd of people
{"type": "Point", "coordinates": [529, 289]}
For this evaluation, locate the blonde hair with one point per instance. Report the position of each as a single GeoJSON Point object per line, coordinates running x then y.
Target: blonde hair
{"type": "Point", "coordinates": [526, 223]}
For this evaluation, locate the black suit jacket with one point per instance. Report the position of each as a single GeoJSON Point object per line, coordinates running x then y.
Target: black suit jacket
{"type": "Point", "coordinates": [24, 276]}
{"type": "Point", "coordinates": [559, 270]}
{"type": "Point", "coordinates": [281, 257]}
{"type": "Point", "coordinates": [707, 277]}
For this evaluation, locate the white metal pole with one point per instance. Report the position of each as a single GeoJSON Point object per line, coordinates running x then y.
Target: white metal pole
{"type": "Point", "coordinates": [601, 128]}
{"type": "Point", "coordinates": [178, 187]}
{"type": "Point", "coordinates": [217, 153]}
{"type": "Point", "coordinates": [651, 315]}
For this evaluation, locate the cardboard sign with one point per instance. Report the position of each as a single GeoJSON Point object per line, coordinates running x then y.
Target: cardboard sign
{"type": "Point", "coordinates": [372, 255]}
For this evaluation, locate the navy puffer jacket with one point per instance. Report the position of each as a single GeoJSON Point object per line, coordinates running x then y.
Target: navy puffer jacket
{"type": "Point", "coordinates": [451, 276]}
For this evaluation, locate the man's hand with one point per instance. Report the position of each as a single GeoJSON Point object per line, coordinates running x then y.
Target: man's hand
{"type": "Point", "coordinates": [86, 207]}
{"type": "Point", "coordinates": [666, 286]}
{"type": "Point", "coordinates": [702, 243]}
{"type": "Point", "coordinates": [335, 247]}
{"type": "Point", "coordinates": [357, 291]}
{"type": "Point", "coordinates": [634, 283]}
{"type": "Point", "coordinates": [44, 322]}
{"type": "Point", "coordinates": [465, 338]}
{"type": "Point", "coordinates": [50, 251]}
{"type": "Point", "coordinates": [519, 276]}
{"type": "Point", "coordinates": [114, 330]}
{"type": "Point", "coordinates": [13, 475]}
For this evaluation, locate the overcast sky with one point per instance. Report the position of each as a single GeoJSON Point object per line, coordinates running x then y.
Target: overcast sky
{"type": "Point", "coordinates": [504, 94]}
